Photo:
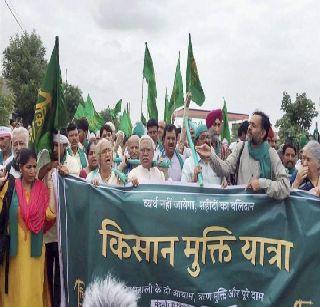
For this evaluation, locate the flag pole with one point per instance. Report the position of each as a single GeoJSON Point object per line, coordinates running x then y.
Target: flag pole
{"type": "Point", "coordinates": [141, 97]}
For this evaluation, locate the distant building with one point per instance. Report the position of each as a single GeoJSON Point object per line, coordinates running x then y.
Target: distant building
{"type": "Point", "coordinates": [198, 116]}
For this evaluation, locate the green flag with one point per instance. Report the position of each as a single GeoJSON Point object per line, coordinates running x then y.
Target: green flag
{"type": "Point", "coordinates": [193, 83]}
{"type": "Point", "coordinates": [80, 112]}
{"type": "Point", "coordinates": [148, 74]}
{"type": "Point", "coordinates": [143, 120]}
{"type": "Point", "coordinates": [225, 132]}
{"type": "Point", "coordinates": [167, 110]}
{"type": "Point", "coordinates": [125, 124]}
{"type": "Point", "coordinates": [87, 110]}
{"type": "Point", "coordinates": [117, 108]}
{"type": "Point", "coordinates": [50, 110]}
{"type": "Point", "coordinates": [94, 118]}
{"type": "Point", "coordinates": [176, 99]}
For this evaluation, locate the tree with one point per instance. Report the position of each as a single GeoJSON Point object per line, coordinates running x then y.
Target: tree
{"type": "Point", "coordinates": [24, 66]}
{"type": "Point", "coordinates": [72, 97]}
{"type": "Point", "coordinates": [6, 103]}
{"type": "Point", "coordinates": [297, 120]}
{"type": "Point", "coordinates": [110, 116]}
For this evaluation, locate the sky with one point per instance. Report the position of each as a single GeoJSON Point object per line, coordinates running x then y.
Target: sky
{"type": "Point", "coordinates": [248, 52]}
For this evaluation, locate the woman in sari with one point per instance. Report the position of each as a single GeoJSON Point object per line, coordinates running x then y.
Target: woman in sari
{"type": "Point", "coordinates": [31, 205]}
{"type": "Point", "coordinates": [308, 176]}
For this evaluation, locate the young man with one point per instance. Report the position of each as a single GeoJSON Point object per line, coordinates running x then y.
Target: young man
{"type": "Point", "coordinates": [170, 152]}
{"type": "Point", "coordinates": [76, 158]}
{"type": "Point", "coordinates": [83, 128]}
{"type": "Point", "coordinates": [152, 130]}
{"type": "Point", "coordinates": [253, 162]}
{"type": "Point", "coordinates": [289, 153]}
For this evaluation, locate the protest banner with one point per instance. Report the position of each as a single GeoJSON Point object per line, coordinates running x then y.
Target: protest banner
{"type": "Point", "coordinates": [180, 245]}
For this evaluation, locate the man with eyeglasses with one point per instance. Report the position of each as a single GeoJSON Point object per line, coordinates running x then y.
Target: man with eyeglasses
{"type": "Point", "coordinates": [190, 172]}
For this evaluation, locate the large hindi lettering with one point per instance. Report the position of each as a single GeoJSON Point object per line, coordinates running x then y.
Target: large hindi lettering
{"type": "Point", "coordinates": [124, 250]}
{"type": "Point", "coordinates": [123, 246]}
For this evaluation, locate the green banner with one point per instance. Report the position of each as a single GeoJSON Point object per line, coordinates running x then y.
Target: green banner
{"type": "Point", "coordinates": [189, 246]}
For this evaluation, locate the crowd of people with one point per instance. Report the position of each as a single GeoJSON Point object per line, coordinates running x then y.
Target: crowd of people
{"type": "Point", "coordinates": [158, 153]}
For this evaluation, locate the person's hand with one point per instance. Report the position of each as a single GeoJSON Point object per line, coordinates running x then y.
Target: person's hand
{"type": "Point", "coordinates": [204, 151]}
{"type": "Point", "coordinates": [254, 185]}
{"type": "Point", "coordinates": [53, 164]}
{"type": "Point", "coordinates": [197, 170]}
{"type": "Point", "coordinates": [63, 170]}
{"type": "Point", "coordinates": [123, 164]}
{"type": "Point", "coordinates": [3, 177]}
{"type": "Point", "coordinates": [135, 182]}
{"type": "Point", "coordinates": [49, 180]}
{"type": "Point", "coordinates": [224, 183]}
{"type": "Point", "coordinates": [119, 137]}
{"type": "Point", "coordinates": [302, 174]}
{"type": "Point", "coordinates": [316, 191]}
{"type": "Point", "coordinates": [188, 99]}
{"type": "Point", "coordinates": [95, 182]}
{"type": "Point", "coordinates": [180, 148]}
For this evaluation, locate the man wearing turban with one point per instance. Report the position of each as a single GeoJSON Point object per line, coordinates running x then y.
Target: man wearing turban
{"type": "Point", "coordinates": [214, 124]}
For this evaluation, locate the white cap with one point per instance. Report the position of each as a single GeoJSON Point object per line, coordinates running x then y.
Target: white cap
{"type": "Point", "coordinates": [111, 125]}
{"type": "Point", "coordinates": [5, 131]}
{"type": "Point", "coordinates": [62, 140]}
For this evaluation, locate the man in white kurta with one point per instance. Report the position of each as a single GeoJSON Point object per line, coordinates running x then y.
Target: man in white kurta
{"type": "Point", "coordinates": [190, 171]}
{"type": "Point", "coordinates": [145, 173]}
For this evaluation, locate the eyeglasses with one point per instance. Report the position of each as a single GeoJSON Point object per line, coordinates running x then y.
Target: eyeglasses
{"type": "Point", "coordinates": [217, 124]}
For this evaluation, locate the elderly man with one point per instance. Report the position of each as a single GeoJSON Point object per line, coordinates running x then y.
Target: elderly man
{"type": "Point", "coordinates": [161, 127]}
{"type": "Point", "coordinates": [170, 152]}
{"type": "Point", "coordinates": [76, 159]}
{"type": "Point", "coordinates": [20, 139]}
{"type": "Point", "coordinates": [146, 173]}
{"type": "Point", "coordinates": [132, 154]}
{"type": "Point", "coordinates": [214, 124]}
{"type": "Point", "coordinates": [253, 162]}
{"type": "Point", "coordinates": [5, 145]}
{"type": "Point", "coordinates": [190, 172]}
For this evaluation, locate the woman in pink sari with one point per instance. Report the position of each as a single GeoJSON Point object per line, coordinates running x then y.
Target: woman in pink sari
{"type": "Point", "coordinates": [32, 204]}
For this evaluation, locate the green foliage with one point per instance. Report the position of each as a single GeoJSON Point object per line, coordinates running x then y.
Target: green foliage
{"type": "Point", "coordinates": [297, 120]}
{"type": "Point", "coordinates": [24, 66]}
{"type": "Point", "coordinates": [6, 104]}
{"type": "Point", "coordinates": [6, 108]}
{"type": "Point", "coordinates": [110, 116]}
{"type": "Point", "coordinates": [113, 114]}
{"type": "Point", "coordinates": [72, 98]}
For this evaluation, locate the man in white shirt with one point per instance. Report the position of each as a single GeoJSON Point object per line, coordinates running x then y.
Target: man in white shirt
{"type": "Point", "coordinates": [145, 173]}
{"type": "Point", "coordinates": [190, 171]}
{"type": "Point", "coordinates": [170, 152]}
{"type": "Point", "coordinates": [76, 158]}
